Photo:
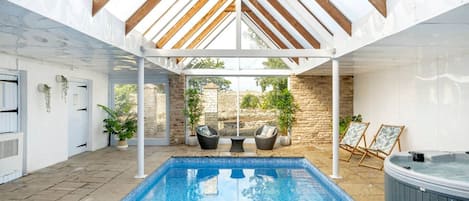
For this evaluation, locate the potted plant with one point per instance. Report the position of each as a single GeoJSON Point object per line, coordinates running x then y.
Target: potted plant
{"type": "Point", "coordinates": [121, 122]}
{"type": "Point", "coordinates": [286, 107]}
{"type": "Point", "coordinates": [193, 112]}
{"type": "Point", "coordinates": [64, 81]}
{"type": "Point", "coordinates": [45, 88]}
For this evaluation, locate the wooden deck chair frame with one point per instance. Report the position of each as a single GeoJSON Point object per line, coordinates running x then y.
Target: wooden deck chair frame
{"type": "Point", "coordinates": [379, 154]}
{"type": "Point", "coordinates": [354, 150]}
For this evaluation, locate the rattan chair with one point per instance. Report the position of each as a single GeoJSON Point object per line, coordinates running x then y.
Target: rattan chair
{"type": "Point", "coordinates": [208, 141]}
{"type": "Point", "coordinates": [263, 142]}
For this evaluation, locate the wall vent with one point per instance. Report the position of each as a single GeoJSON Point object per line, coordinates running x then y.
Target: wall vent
{"type": "Point", "coordinates": [8, 148]}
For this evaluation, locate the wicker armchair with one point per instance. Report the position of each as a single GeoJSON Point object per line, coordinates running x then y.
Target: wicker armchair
{"type": "Point", "coordinates": [208, 141]}
{"type": "Point", "coordinates": [263, 142]}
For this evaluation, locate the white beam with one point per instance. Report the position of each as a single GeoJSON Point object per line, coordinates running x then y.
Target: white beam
{"type": "Point", "coordinates": [238, 24]}
{"type": "Point", "coordinates": [140, 119]}
{"type": "Point", "coordinates": [226, 72]}
{"type": "Point", "coordinates": [244, 53]}
{"type": "Point", "coordinates": [335, 118]}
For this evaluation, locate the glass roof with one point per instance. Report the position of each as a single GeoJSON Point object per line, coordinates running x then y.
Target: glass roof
{"type": "Point", "coordinates": [209, 24]}
{"type": "Point", "coordinates": [123, 9]}
{"type": "Point", "coordinates": [353, 10]}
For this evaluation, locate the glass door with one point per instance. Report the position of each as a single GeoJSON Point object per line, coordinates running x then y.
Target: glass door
{"type": "Point", "coordinates": [156, 117]}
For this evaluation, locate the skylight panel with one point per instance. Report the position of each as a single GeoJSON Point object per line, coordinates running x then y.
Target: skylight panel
{"type": "Point", "coordinates": [185, 28]}
{"type": "Point", "coordinates": [284, 23]}
{"type": "Point", "coordinates": [123, 9]}
{"type": "Point", "coordinates": [323, 16]}
{"type": "Point", "coordinates": [353, 10]}
{"type": "Point", "coordinates": [269, 25]}
{"type": "Point", "coordinates": [170, 19]}
{"type": "Point", "coordinates": [154, 15]}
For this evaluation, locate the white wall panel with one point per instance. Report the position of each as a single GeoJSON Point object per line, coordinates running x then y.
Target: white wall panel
{"type": "Point", "coordinates": [46, 135]}
{"type": "Point", "coordinates": [431, 98]}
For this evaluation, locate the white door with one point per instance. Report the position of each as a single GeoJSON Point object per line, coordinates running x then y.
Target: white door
{"type": "Point", "coordinates": [77, 101]}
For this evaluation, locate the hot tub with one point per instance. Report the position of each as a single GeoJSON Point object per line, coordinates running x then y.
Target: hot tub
{"type": "Point", "coordinates": [427, 175]}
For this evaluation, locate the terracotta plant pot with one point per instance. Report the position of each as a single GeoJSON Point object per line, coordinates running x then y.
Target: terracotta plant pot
{"type": "Point", "coordinates": [122, 145]}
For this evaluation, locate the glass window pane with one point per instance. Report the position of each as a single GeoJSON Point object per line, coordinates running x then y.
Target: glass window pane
{"type": "Point", "coordinates": [353, 10]}
{"type": "Point", "coordinates": [8, 103]}
{"type": "Point", "coordinates": [219, 103]}
{"type": "Point", "coordinates": [255, 112]}
{"type": "Point", "coordinates": [155, 106]}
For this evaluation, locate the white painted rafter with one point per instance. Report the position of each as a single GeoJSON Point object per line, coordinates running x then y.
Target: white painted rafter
{"type": "Point", "coordinates": [242, 53]}
{"type": "Point", "coordinates": [235, 72]}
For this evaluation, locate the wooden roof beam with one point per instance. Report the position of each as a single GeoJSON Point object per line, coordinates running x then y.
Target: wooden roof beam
{"type": "Point", "coordinates": [269, 33]}
{"type": "Point", "coordinates": [275, 23]}
{"type": "Point", "coordinates": [199, 24]}
{"type": "Point", "coordinates": [197, 40]}
{"type": "Point", "coordinates": [338, 16]}
{"type": "Point", "coordinates": [297, 25]}
{"type": "Point", "coordinates": [187, 16]}
{"type": "Point", "coordinates": [380, 5]}
{"type": "Point", "coordinates": [312, 14]}
{"type": "Point", "coordinates": [139, 14]}
{"type": "Point", "coordinates": [97, 5]}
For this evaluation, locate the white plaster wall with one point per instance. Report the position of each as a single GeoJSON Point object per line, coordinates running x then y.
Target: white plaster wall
{"type": "Point", "coordinates": [431, 98]}
{"type": "Point", "coordinates": [47, 134]}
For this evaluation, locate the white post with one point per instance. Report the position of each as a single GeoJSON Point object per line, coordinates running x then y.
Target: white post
{"type": "Point", "coordinates": [140, 119]}
{"type": "Point", "coordinates": [238, 24]}
{"type": "Point", "coordinates": [335, 118]}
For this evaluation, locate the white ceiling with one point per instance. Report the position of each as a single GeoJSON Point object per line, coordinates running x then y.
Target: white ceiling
{"type": "Point", "coordinates": [27, 34]}
{"type": "Point", "coordinates": [444, 35]}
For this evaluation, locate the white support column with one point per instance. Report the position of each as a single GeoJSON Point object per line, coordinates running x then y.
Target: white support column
{"type": "Point", "coordinates": [335, 118]}
{"type": "Point", "coordinates": [238, 24]}
{"type": "Point", "coordinates": [140, 119]}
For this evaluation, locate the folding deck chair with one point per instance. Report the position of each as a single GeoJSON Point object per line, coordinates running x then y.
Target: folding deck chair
{"type": "Point", "coordinates": [353, 135]}
{"type": "Point", "coordinates": [383, 143]}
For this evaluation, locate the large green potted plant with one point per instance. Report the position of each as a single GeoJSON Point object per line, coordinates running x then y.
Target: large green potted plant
{"type": "Point", "coordinates": [120, 122]}
{"type": "Point", "coordinates": [286, 107]}
{"type": "Point", "coordinates": [193, 112]}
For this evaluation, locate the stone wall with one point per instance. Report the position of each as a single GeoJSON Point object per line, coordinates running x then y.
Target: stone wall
{"type": "Point", "coordinates": [313, 94]}
{"type": "Point", "coordinates": [176, 92]}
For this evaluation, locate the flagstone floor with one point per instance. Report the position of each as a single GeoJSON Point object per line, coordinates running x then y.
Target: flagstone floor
{"type": "Point", "coordinates": [108, 174]}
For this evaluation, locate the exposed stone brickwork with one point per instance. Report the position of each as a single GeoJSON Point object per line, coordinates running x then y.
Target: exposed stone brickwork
{"type": "Point", "coordinates": [313, 94]}
{"type": "Point", "coordinates": [176, 91]}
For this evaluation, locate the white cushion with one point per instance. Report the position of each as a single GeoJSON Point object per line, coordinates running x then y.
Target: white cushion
{"type": "Point", "coordinates": [267, 131]}
{"type": "Point", "coordinates": [204, 130]}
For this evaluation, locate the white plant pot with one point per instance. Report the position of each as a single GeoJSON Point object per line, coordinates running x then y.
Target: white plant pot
{"type": "Point", "coordinates": [285, 140]}
{"type": "Point", "coordinates": [122, 145]}
{"type": "Point", "coordinates": [192, 141]}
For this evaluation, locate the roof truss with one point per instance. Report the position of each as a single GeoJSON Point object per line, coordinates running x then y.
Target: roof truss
{"type": "Point", "coordinates": [380, 5]}
{"type": "Point", "coordinates": [297, 25]}
{"type": "Point", "coordinates": [188, 15]}
{"type": "Point", "coordinates": [275, 23]}
{"type": "Point", "coordinates": [335, 13]}
{"type": "Point", "coordinates": [97, 5]}
{"type": "Point", "coordinates": [199, 24]}
{"type": "Point", "coordinates": [140, 14]}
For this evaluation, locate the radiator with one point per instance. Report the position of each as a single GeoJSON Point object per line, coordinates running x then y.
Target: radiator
{"type": "Point", "coordinates": [11, 156]}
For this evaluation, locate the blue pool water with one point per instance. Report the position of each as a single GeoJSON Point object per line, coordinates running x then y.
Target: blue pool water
{"type": "Point", "coordinates": [227, 178]}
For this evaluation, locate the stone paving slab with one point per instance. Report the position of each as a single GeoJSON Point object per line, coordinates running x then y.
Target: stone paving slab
{"type": "Point", "coordinates": [108, 174]}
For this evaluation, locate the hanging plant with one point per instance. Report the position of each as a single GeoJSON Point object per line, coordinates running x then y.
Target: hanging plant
{"type": "Point", "coordinates": [44, 88]}
{"type": "Point", "coordinates": [64, 81]}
